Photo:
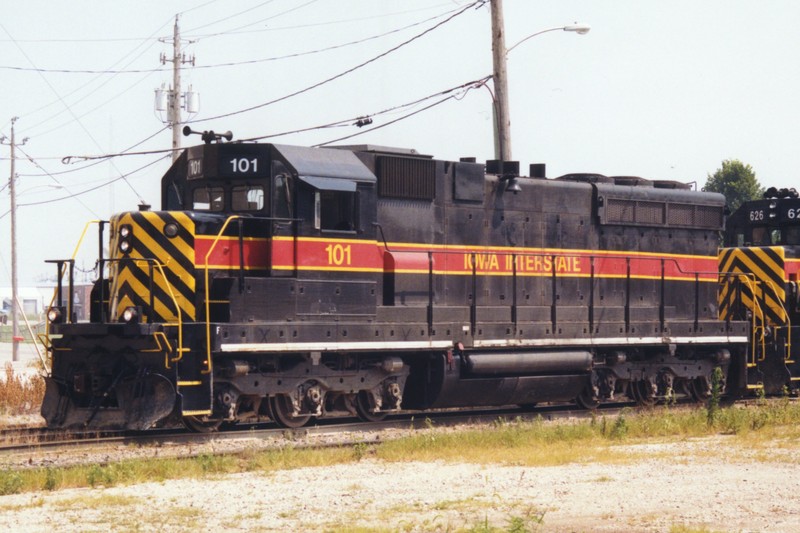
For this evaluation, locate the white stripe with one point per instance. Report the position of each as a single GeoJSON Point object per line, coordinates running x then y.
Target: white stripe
{"type": "Point", "coordinates": [333, 346]}
{"type": "Point", "coordinates": [493, 343]}
{"type": "Point", "coordinates": [611, 341]}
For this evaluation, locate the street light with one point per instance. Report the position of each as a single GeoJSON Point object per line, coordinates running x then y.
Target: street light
{"type": "Point", "coordinates": [580, 29]}
{"type": "Point", "coordinates": [502, 130]}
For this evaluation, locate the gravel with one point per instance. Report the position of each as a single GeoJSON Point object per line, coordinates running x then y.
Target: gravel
{"type": "Point", "coordinates": [700, 483]}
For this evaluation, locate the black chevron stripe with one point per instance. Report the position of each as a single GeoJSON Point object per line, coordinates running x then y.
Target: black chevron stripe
{"type": "Point", "coordinates": [162, 241]}
{"type": "Point", "coordinates": [738, 264]}
{"type": "Point", "coordinates": [142, 276]}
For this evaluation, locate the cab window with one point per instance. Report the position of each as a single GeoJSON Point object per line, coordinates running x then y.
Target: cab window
{"type": "Point", "coordinates": [335, 211]}
{"type": "Point", "coordinates": [793, 235]}
{"type": "Point", "coordinates": [208, 199]}
{"type": "Point", "coordinates": [760, 237]}
{"type": "Point", "coordinates": [247, 198]}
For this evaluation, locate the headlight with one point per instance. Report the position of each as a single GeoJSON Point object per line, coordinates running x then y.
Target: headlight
{"type": "Point", "coordinates": [54, 315]}
{"type": "Point", "coordinates": [125, 238]}
{"type": "Point", "coordinates": [130, 314]}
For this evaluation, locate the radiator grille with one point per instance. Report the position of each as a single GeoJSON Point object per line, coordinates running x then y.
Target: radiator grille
{"type": "Point", "coordinates": [650, 213]}
{"type": "Point", "coordinates": [403, 177]}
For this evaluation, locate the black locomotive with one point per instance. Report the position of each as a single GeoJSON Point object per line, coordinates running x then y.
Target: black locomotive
{"type": "Point", "coordinates": [761, 260]}
{"type": "Point", "coordinates": [288, 283]}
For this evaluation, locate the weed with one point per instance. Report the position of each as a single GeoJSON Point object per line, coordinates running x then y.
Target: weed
{"type": "Point", "coordinates": [98, 475]}
{"type": "Point", "coordinates": [531, 521]}
{"type": "Point", "coordinates": [620, 428]}
{"type": "Point", "coordinates": [214, 464]}
{"type": "Point", "coordinates": [360, 449]}
{"type": "Point", "coordinates": [716, 392]}
{"type": "Point", "coordinates": [50, 480]}
{"type": "Point", "coordinates": [20, 395]}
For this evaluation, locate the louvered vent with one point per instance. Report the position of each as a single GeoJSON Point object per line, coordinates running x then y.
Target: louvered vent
{"type": "Point", "coordinates": [649, 213]}
{"type": "Point", "coordinates": [710, 217]}
{"type": "Point", "coordinates": [404, 177]}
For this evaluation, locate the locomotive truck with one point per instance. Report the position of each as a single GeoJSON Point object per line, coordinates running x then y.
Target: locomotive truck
{"type": "Point", "coordinates": [287, 283]}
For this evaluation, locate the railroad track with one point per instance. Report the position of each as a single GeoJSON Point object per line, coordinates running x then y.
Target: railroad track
{"type": "Point", "coordinates": [37, 447]}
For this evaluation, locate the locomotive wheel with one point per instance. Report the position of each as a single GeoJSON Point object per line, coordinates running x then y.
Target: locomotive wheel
{"type": "Point", "coordinates": [640, 392]}
{"type": "Point", "coordinates": [281, 411]}
{"type": "Point", "coordinates": [201, 425]}
{"type": "Point", "coordinates": [363, 409]}
{"type": "Point", "coordinates": [698, 389]}
{"type": "Point", "coordinates": [587, 399]}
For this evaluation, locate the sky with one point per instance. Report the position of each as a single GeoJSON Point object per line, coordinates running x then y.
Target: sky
{"type": "Point", "coordinates": [661, 90]}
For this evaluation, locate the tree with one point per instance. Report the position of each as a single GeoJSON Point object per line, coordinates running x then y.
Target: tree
{"type": "Point", "coordinates": [736, 181]}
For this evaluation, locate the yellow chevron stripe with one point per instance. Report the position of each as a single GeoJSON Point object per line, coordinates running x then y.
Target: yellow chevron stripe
{"type": "Point", "coordinates": [124, 274]}
{"type": "Point", "coordinates": [766, 288]}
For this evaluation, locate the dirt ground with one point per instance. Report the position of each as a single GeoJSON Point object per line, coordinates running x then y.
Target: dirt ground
{"type": "Point", "coordinates": [697, 485]}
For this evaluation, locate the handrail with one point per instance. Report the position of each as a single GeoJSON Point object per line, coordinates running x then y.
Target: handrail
{"type": "Point", "coordinates": [220, 234]}
{"type": "Point", "coordinates": [209, 364]}
{"type": "Point", "coordinates": [751, 282]}
{"type": "Point", "coordinates": [179, 315]}
{"type": "Point", "coordinates": [788, 324]}
{"type": "Point", "coordinates": [554, 273]}
{"type": "Point", "coordinates": [61, 275]}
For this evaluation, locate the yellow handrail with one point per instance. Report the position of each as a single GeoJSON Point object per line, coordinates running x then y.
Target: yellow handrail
{"type": "Point", "coordinates": [207, 303]}
{"type": "Point", "coordinates": [788, 324]}
{"type": "Point", "coordinates": [46, 340]}
{"type": "Point", "coordinates": [750, 282]}
{"type": "Point", "coordinates": [179, 316]}
{"type": "Point", "coordinates": [55, 291]}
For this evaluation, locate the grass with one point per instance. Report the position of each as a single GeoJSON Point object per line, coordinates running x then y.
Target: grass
{"type": "Point", "coordinates": [506, 442]}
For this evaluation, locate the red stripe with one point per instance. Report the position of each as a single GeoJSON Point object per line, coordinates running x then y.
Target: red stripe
{"type": "Point", "coordinates": [354, 255]}
{"type": "Point", "coordinates": [225, 254]}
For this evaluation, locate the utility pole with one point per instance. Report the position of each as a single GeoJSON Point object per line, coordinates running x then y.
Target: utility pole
{"type": "Point", "coordinates": [173, 97]}
{"type": "Point", "coordinates": [15, 338]}
{"type": "Point", "coordinates": [502, 115]}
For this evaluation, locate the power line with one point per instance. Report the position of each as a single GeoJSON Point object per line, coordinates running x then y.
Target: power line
{"type": "Point", "coordinates": [481, 82]}
{"type": "Point", "coordinates": [88, 133]}
{"type": "Point", "coordinates": [317, 24]}
{"type": "Point", "coordinates": [346, 72]}
{"type": "Point", "coordinates": [349, 122]}
{"type": "Point", "coordinates": [242, 13]}
{"type": "Point", "coordinates": [58, 182]}
{"type": "Point", "coordinates": [71, 171]}
{"type": "Point", "coordinates": [232, 63]}
{"type": "Point", "coordinates": [109, 182]}
{"type": "Point", "coordinates": [467, 87]}
{"type": "Point", "coordinates": [88, 83]}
